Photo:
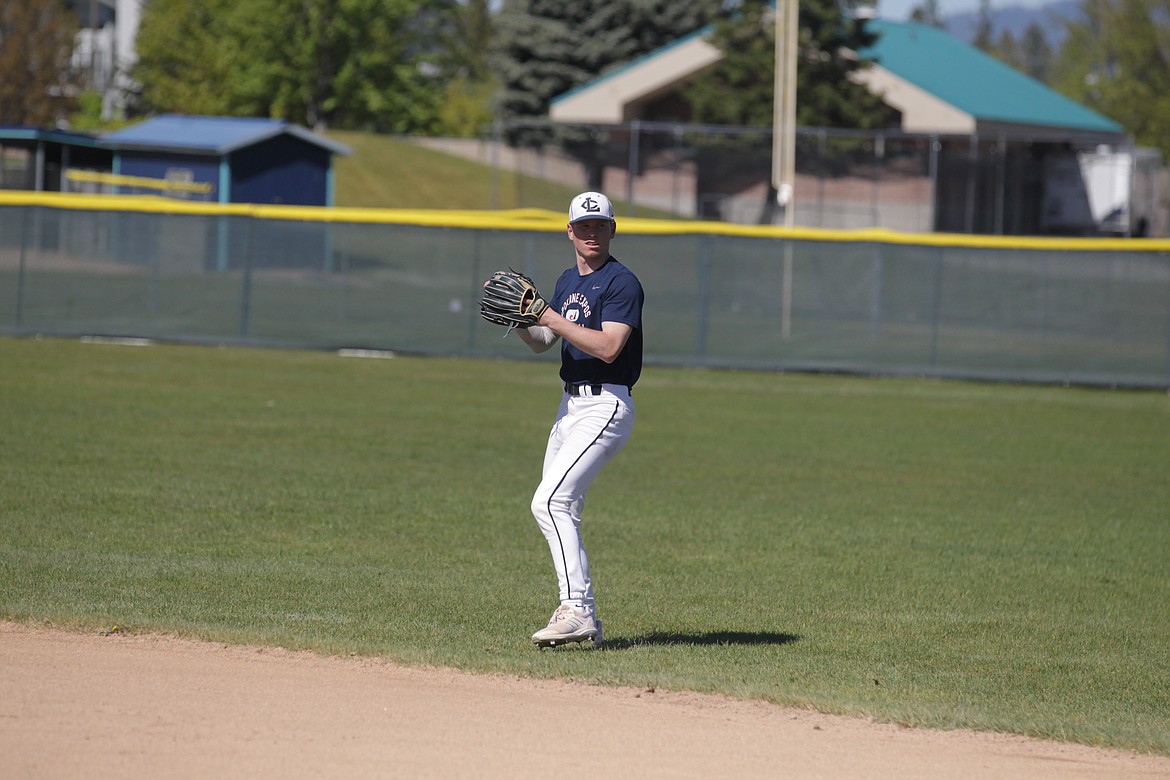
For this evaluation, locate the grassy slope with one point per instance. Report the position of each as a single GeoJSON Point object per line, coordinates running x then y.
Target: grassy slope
{"type": "Point", "coordinates": [388, 172]}
{"type": "Point", "coordinates": [930, 553]}
{"type": "Point", "coordinates": [393, 173]}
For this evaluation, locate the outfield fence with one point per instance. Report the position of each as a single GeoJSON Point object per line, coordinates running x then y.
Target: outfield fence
{"type": "Point", "coordinates": [1078, 311]}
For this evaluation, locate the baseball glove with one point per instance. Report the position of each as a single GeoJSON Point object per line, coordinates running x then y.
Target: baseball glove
{"type": "Point", "coordinates": [511, 299]}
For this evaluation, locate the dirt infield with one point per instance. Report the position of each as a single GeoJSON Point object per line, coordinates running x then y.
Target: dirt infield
{"type": "Point", "coordinates": [87, 705]}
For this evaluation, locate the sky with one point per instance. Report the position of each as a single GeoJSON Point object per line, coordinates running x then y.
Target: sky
{"type": "Point", "coordinates": [898, 10]}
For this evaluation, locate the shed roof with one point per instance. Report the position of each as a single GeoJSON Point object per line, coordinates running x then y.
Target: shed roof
{"type": "Point", "coordinates": [209, 135]}
{"type": "Point", "coordinates": [27, 133]}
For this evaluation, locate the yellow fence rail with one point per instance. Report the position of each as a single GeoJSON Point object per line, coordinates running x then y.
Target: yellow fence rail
{"type": "Point", "coordinates": [542, 220]}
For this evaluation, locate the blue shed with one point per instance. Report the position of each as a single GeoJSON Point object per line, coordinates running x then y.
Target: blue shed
{"type": "Point", "coordinates": [225, 160]}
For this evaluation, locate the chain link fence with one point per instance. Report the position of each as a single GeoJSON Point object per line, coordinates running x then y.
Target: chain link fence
{"type": "Point", "coordinates": [1005, 183]}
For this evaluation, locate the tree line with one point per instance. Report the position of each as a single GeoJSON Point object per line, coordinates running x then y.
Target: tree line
{"type": "Point", "coordinates": [449, 67]}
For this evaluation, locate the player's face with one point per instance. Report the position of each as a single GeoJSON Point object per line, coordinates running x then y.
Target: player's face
{"type": "Point", "coordinates": [591, 238]}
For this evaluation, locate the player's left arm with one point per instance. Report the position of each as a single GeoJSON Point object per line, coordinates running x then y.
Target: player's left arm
{"type": "Point", "coordinates": [605, 344]}
{"type": "Point", "coordinates": [537, 337]}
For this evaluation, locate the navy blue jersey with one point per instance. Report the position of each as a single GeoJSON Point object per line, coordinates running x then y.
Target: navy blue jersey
{"type": "Point", "coordinates": [610, 294]}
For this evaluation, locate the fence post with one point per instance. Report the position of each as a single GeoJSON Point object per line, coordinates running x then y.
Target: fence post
{"type": "Point", "coordinates": [936, 314]}
{"type": "Point", "coordinates": [476, 290]}
{"type": "Point", "coordinates": [635, 129]}
{"type": "Point", "coordinates": [1000, 183]}
{"type": "Point", "coordinates": [246, 291]}
{"type": "Point", "coordinates": [327, 264]}
{"type": "Point", "coordinates": [973, 158]}
{"type": "Point", "coordinates": [1131, 150]}
{"type": "Point", "coordinates": [20, 269]}
{"type": "Point", "coordinates": [879, 153]}
{"type": "Point", "coordinates": [222, 237]}
{"type": "Point", "coordinates": [497, 135]}
{"type": "Point", "coordinates": [343, 297]}
{"type": "Point", "coordinates": [1168, 347]}
{"type": "Point", "coordinates": [935, 148]}
{"type": "Point", "coordinates": [704, 301]}
{"type": "Point", "coordinates": [786, 292]}
{"type": "Point", "coordinates": [154, 282]}
{"type": "Point", "coordinates": [823, 156]}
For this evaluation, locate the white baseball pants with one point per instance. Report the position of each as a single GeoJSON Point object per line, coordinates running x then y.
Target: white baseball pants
{"type": "Point", "coordinates": [588, 432]}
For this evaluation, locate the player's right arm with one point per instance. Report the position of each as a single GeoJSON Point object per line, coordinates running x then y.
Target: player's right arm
{"type": "Point", "coordinates": [605, 344]}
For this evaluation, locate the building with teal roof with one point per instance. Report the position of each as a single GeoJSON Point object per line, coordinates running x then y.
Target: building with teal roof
{"type": "Point", "coordinates": [939, 83]}
{"type": "Point", "coordinates": [992, 150]}
{"type": "Point", "coordinates": [944, 85]}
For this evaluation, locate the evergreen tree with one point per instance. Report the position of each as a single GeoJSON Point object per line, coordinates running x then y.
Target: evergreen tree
{"type": "Point", "coordinates": [738, 90]}
{"type": "Point", "coordinates": [985, 29]}
{"type": "Point", "coordinates": [657, 23]}
{"type": "Point", "coordinates": [547, 47]}
{"type": "Point", "coordinates": [1036, 53]}
{"type": "Point", "coordinates": [927, 13]}
{"type": "Point", "coordinates": [1007, 50]}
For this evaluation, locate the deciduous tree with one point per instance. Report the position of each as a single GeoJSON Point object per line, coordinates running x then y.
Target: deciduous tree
{"type": "Point", "coordinates": [466, 106]}
{"type": "Point", "coordinates": [1116, 60]}
{"type": "Point", "coordinates": [37, 83]}
{"type": "Point", "coordinates": [183, 59]}
{"type": "Point", "coordinates": [354, 64]}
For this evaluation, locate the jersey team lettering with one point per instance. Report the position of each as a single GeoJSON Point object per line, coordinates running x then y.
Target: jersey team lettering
{"type": "Point", "coordinates": [576, 307]}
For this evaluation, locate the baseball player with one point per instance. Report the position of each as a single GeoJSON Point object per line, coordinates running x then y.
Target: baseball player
{"type": "Point", "coordinates": [596, 312]}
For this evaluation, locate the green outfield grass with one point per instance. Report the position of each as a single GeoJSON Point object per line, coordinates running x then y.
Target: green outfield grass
{"type": "Point", "coordinates": [929, 553]}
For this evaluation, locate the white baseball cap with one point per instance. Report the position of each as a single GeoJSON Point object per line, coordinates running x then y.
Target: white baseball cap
{"type": "Point", "coordinates": [590, 205]}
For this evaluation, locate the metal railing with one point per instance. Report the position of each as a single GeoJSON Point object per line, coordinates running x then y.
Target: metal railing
{"type": "Point", "coordinates": [1004, 183]}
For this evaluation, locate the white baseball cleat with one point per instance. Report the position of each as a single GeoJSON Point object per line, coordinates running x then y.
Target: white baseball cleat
{"type": "Point", "coordinates": [568, 624]}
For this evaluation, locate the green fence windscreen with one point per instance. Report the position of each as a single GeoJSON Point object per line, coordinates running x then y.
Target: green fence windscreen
{"type": "Point", "coordinates": [1080, 311]}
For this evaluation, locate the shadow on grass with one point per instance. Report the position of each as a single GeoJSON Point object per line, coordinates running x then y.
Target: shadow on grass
{"type": "Point", "coordinates": [726, 638]}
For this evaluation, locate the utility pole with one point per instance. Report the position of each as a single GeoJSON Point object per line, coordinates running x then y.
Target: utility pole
{"type": "Point", "coordinates": [784, 142]}
{"type": "Point", "coordinates": [784, 101]}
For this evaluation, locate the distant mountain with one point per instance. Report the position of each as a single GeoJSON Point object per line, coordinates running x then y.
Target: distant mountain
{"type": "Point", "coordinates": [1016, 19]}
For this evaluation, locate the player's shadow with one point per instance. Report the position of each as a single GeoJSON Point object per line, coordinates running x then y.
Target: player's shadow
{"type": "Point", "coordinates": [725, 638]}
